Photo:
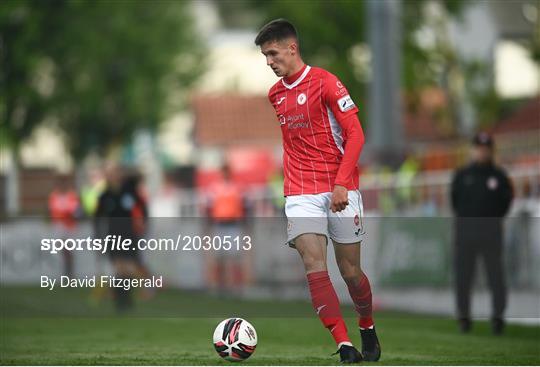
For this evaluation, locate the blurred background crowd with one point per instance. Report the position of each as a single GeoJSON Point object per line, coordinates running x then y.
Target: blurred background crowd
{"type": "Point", "coordinates": [176, 91]}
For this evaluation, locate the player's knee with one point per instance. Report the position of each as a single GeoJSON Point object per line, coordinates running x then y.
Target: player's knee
{"type": "Point", "coordinates": [352, 275]}
{"type": "Point", "coordinates": [313, 264]}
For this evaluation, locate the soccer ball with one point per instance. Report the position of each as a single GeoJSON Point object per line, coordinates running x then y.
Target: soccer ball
{"type": "Point", "coordinates": [235, 339]}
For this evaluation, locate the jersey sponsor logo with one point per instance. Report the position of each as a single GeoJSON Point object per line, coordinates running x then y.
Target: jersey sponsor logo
{"type": "Point", "coordinates": [341, 89]}
{"type": "Point", "coordinates": [298, 125]}
{"type": "Point", "coordinates": [281, 100]}
{"type": "Point", "coordinates": [296, 121]}
{"type": "Point", "coordinates": [295, 118]}
{"type": "Point", "coordinates": [341, 92]}
{"type": "Point", "coordinates": [345, 103]}
{"type": "Point", "coordinates": [301, 99]}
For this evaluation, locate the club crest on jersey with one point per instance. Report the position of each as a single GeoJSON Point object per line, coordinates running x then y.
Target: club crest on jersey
{"type": "Point", "coordinates": [345, 103]}
{"type": "Point", "coordinates": [492, 183]}
{"type": "Point", "coordinates": [301, 99]}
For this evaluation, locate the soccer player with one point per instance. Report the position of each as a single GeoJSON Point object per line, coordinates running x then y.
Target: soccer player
{"type": "Point", "coordinates": [322, 140]}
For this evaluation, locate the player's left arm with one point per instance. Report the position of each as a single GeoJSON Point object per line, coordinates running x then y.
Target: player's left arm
{"type": "Point", "coordinates": [337, 98]}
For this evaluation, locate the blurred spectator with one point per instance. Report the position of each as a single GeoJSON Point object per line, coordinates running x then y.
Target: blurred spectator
{"type": "Point", "coordinates": [521, 239]}
{"type": "Point", "coordinates": [275, 186]}
{"type": "Point", "coordinates": [122, 212]}
{"type": "Point", "coordinates": [387, 201]}
{"type": "Point", "coordinates": [134, 199]}
{"type": "Point", "coordinates": [167, 202]}
{"type": "Point", "coordinates": [227, 268]}
{"type": "Point", "coordinates": [481, 194]}
{"type": "Point", "coordinates": [63, 210]}
{"type": "Point", "coordinates": [90, 192]}
{"type": "Point", "coordinates": [405, 177]}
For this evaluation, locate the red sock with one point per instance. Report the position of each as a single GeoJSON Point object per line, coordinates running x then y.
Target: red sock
{"type": "Point", "coordinates": [326, 304]}
{"type": "Point", "coordinates": [360, 292]}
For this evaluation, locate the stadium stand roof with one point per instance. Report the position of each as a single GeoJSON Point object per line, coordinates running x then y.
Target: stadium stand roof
{"type": "Point", "coordinates": [525, 118]}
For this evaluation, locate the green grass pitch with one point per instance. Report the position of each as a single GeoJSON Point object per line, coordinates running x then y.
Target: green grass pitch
{"type": "Point", "coordinates": [39, 327]}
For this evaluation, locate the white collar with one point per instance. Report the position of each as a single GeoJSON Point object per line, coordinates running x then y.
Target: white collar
{"type": "Point", "coordinates": [297, 81]}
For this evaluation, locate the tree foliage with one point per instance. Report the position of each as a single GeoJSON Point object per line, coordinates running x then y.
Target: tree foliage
{"type": "Point", "coordinates": [97, 69]}
{"type": "Point", "coordinates": [332, 34]}
{"type": "Point", "coordinates": [327, 31]}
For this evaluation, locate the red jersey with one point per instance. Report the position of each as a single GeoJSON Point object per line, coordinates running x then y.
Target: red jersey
{"type": "Point", "coordinates": [63, 207]}
{"type": "Point", "coordinates": [322, 137]}
{"type": "Point", "coordinates": [227, 204]}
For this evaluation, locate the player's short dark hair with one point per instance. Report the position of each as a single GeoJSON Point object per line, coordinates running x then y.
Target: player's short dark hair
{"type": "Point", "coordinates": [276, 30]}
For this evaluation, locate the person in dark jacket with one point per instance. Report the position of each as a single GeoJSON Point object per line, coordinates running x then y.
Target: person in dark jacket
{"type": "Point", "coordinates": [481, 195]}
{"type": "Point", "coordinates": [121, 211]}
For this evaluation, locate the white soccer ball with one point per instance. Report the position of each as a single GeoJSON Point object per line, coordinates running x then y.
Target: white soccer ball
{"type": "Point", "coordinates": [235, 339]}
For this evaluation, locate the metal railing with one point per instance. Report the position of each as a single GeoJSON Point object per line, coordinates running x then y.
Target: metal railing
{"type": "Point", "coordinates": [426, 194]}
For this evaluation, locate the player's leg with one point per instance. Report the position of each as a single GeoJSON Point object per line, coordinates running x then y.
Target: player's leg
{"type": "Point", "coordinates": [492, 256]}
{"type": "Point", "coordinates": [142, 271]}
{"type": "Point", "coordinates": [124, 269]}
{"type": "Point", "coordinates": [306, 231]}
{"type": "Point", "coordinates": [345, 229]}
{"type": "Point", "coordinates": [348, 261]}
{"type": "Point", "coordinates": [464, 268]}
{"type": "Point", "coordinates": [312, 250]}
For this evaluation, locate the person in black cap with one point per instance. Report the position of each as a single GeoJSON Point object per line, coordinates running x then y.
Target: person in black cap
{"type": "Point", "coordinates": [481, 195]}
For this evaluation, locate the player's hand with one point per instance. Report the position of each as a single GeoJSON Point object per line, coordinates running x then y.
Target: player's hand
{"type": "Point", "coordinates": [340, 198]}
